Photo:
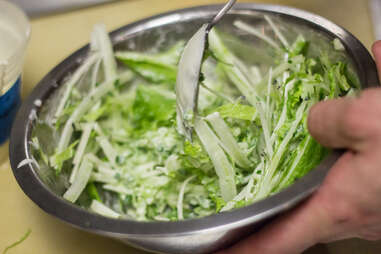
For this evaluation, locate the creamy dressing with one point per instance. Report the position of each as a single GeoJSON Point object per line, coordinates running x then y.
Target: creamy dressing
{"type": "Point", "coordinates": [10, 42]}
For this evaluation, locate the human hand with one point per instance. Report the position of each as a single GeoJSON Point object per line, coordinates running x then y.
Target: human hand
{"type": "Point", "coordinates": [348, 203]}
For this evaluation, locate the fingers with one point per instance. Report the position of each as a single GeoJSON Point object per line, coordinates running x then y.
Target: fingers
{"type": "Point", "coordinates": [346, 122]}
{"type": "Point", "coordinates": [325, 217]}
{"type": "Point", "coordinates": [352, 123]}
{"type": "Point", "coordinates": [290, 234]}
{"type": "Point", "coordinates": [376, 48]}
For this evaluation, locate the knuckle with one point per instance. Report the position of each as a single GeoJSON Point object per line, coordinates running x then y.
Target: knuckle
{"type": "Point", "coordinates": [343, 216]}
{"type": "Point", "coordinates": [368, 224]}
{"type": "Point", "coordinates": [371, 235]}
{"type": "Point", "coordinates": [340, 212]}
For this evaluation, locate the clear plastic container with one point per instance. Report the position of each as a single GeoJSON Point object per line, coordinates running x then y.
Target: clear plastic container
{"type": "Point", "coordinates": [14, 36]}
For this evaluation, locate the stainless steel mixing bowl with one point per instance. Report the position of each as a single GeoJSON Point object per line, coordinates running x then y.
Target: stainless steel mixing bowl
{"type": "Point", "coordinates": [202, 235]}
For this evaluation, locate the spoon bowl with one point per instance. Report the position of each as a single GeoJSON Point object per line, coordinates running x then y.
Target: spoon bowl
{"type": "Point", "coordinates": [188, 75]}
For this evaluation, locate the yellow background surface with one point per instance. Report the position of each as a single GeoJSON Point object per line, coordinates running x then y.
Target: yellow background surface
{"type": "Point", "coordinates": [54, 38]}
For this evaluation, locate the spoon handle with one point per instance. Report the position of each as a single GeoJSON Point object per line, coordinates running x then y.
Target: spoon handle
{"type": "Point", "coordinates": [220, 14]}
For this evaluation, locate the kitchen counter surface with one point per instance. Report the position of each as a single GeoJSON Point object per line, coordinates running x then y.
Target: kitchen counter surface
{"type": "Point", "coordinates": [54, 38]}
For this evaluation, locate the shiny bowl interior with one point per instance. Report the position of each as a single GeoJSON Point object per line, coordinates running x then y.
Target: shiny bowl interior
{"type": "Point", "coordinates": [153, 34]}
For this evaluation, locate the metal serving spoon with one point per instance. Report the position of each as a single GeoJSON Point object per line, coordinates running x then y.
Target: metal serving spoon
{"type": "Point", "coordinates": [187, 82]}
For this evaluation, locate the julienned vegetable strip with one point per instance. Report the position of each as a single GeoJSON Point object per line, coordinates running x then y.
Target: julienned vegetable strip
{"type": "Point", "coordinates": [228, 142]}
{"type": "Point", "coordinates": [101, 209]}
{"type": "Point", "coordinates": [94, 74]}
{"type": "Point", "coordinates": [266, 186]}
{"type": "Point", "coordinates": [247, 192]}
{"type": "Point", "coordinates": [283, 114]}
{"type": "Point", "coordinates": [265, 126]}
{"type": "Point", "coordinates": [287, 178]}
{"type": "Point", "coordinates": [245, 27]}
{"type": "Point", "coordinates": [93, 58]}
{"type": "Point", "coordinates": [104, 176]}
{"type": "Point", "coordinates": [277, 32]}
{"type": "Point", "coordinates": [181, 198]}
{"type": "Point", "coordinates": [240, 80]}
{"type": "Point", "coordinates": [224, 169]}
{"type": "Point", "coordinates": [106, 146]}
{"type": "Point", "coordinates": [81, 149]}
{"type": "Point", "coordinates": [116, 136]}
{"type": "Point", "coordinates": [256, 74]}
{"type": "Point", "coordinates": [80, 181]}
{"type": "Point", "coordinates": [81, 109]}
{"type": "Point", "coordinates": [268, 94]}
{"type": "Point", "coordinates": [104, 45]}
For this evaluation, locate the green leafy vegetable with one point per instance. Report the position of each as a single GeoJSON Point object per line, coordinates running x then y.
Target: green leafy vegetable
{"type": "Point", "coordinates": [93, 192]}
{"type": "Point", "coordinates": [22, 239]}
{"type": "Point", "coordinates": [153, 105]}
{"type": "Point", "coordinates": [58, 159]}
{"type": "Point", "coordinates": [157, 68]}
{"type": "Point", "coordinates": [237, 111]}
{"type": "Point", "coordinates": [113, 139]}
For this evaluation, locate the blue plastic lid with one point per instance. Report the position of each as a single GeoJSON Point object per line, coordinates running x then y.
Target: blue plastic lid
{"type": "Point", "coordinates": [9, 104]}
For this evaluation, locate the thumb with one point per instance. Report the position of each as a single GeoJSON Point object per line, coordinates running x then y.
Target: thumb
{"type": "Point", "coordinates": [377, 55]}
{"type": "Point", "coordinates": [327, 123]}
{"type": "Point", "coordinates": [347, 122]}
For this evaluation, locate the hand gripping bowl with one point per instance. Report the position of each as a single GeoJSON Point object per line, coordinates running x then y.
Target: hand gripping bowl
{"type": "Point", "coordinates": [202, 235]}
